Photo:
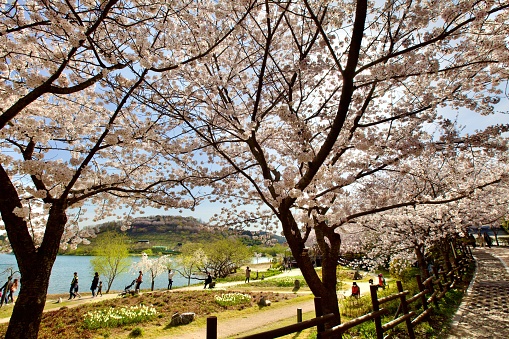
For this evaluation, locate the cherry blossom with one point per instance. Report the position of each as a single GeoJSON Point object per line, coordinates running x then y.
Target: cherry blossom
{"type": "Point", "coordinates": [75, 130]}
{"type": "Point", "coordinates": [314, 112]}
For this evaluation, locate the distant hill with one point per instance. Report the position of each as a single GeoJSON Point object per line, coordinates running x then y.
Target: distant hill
{"type": "Point", "coordinates": [168, 233]}
{"type": "Point", "coordinates": [159, 224]}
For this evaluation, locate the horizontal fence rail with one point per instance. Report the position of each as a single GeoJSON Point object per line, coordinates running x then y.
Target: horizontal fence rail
{"type": "Point", "coordinates": [282, 331]}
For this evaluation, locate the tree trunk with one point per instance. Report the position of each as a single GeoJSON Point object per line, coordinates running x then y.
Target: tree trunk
{"type": "Point", "coordinates": [325, 287]}
{"type": "Point", "coordinates": [35, 266]}
{"type": "Point", "coordinates": [152, 286]}
{"type": "Point", "coordinates": [34, 262]}
{"type": "Point", "coordinates": [445, 250]}
{"type": "Point", "coordinates": [421, 260]}
{"type": "Point", "coordinates": [495, 233]}
{"type": "Point", "coordinates": [27, 313]}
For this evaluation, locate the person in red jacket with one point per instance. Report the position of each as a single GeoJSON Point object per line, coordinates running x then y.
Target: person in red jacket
{"type": "Point", "coordinates": [356, 291]}
{"type": "Point", "coordinates": [139, 280]}
{"type": "Point", "coordinates": [381, 281]}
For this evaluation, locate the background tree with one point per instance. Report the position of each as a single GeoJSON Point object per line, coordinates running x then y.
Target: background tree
{"type": "Point", "coordinates": [310, 101]}
{"type": "Point", "coordinates": [225, 256]}
{"type": "Point", "coordinates": [467, 192]}
{"type": "Point", "coordinates": [69, 131]}
{"type": "Point", "coordinates": [154, 266]}
{"type": "Point", "coordinates": [188, 263]}
{"type": "Point", "coordinates": [111, 257]}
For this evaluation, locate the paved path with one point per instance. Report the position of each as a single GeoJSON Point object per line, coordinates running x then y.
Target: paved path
{"type": "Point", "coordinates": [484, 311]}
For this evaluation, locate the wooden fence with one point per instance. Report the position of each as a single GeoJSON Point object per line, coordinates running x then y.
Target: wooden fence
{"type": "Point", "coordinates": [319, 321]}
{"type": "Point", "coordinates": [436, 286]}
{"type": "Point", "coordinates": [430, 292]}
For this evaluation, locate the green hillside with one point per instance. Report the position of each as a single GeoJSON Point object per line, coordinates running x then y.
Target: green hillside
{"type": "Point", "coordinates": [167, 233]}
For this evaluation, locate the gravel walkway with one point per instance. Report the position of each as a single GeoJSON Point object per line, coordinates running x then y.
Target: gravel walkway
{"type": "Point", "coordinates": [484, 312]}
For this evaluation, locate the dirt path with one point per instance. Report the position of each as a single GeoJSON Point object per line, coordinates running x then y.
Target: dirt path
{"type": "Point", "coordinates": [238, 326]}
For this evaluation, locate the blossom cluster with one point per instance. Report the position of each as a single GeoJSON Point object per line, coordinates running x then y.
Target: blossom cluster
{"type": "Point", "coordinates": [114, 317]}
{"type": "Point", "coordinates": [231, 299]}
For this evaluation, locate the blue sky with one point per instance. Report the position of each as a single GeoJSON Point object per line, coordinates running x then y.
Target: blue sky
{"type": "Point", "coordinates": [470, 121]}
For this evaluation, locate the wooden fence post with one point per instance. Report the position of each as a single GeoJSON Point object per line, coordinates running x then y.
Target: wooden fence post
{"type": "Point", "coordinates": [404, 307]}
{"type": "Point", "coordinates": [211, 327]}
{"type": "Point", "coordinates": [439, 280]}
{"type": "Point", "coordinates": [376, 307]}
{"type": "Point", "coordinates": [456, 275]}
{"type": "Point", "coordinates": [422, 288]}
{"type": "Point", "coordinates": [470, 252]}
{"type": "Point", "coordinates": [446, 279]}
{"type": "Point", "coordinates": [299, 315]}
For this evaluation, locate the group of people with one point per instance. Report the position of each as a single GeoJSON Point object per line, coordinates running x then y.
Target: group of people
{"type": "Point", "coordinates": [7, 290]}
{"type": "Point", "coordinates": [96, 286]}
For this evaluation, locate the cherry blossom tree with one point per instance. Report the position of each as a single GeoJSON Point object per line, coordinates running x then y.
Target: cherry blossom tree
{"type": "Point", "coordinates": [464, 192]}
{"type": "Point", "coordinates": [71, 133]}
{"type": "Point", "coordinates": [309, 106]}
{"type": "Point", "coordinates": [189, 262]}
{"type": "Point", "coordinates": [154, 266]}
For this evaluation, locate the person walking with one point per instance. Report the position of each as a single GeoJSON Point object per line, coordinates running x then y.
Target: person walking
{"type": "Point", "coordinates": [4, 291]}
{"type": "Point", "coordinates": [77, 288]}
{"type": "Point", "coordinates": [100, 288]}
{"type": "Point", "coordinates": [248, 275]}
{"type": "Point", "coordinates": [208, 281]}
{"type": "Point", "coordinates": [95, 282]}
{"type": "Point", "coordinates": [139, 280]}
{"type": "Point", "coordinates": [381, 281]}
{"type": "Point", "coordinates": [13, 288]}
{"type": "Point", "coordinates": [481, 239]}
{"type": "Point", "coordinates": [487, 239]}
{"type": "Point", "coordinates": [74, 285]}
{"type": "Point", "coordinates": [170, 278]}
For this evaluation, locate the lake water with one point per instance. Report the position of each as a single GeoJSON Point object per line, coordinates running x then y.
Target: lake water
{"type": "Point", "coordinates": [65, 265]}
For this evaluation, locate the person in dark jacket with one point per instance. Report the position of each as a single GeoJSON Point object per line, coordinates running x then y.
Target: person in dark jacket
{"type": "Point", "coordinates": [74, 285]}
{"type": "Point", "coordinates": [139, 280]}
{"type": "Point", "coordinates": [4, 291]}
{"type": "Point", "coordinates": [95, 282]}
{"type": "Point", "coordinates": [208, 281]}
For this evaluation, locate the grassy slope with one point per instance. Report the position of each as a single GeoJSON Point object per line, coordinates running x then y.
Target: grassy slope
{"type": "Point", "coordinates": [166, 231]}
